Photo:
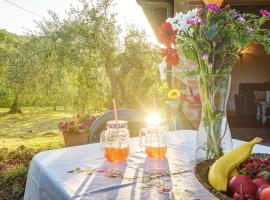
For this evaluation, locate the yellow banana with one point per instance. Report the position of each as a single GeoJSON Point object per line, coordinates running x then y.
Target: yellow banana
{"type": "Point", "coordinates": [233, 173]}
{"type": "Point", "coordinates": [220, 170]}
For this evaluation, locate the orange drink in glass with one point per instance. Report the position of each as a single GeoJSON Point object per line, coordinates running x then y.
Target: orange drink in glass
{"type": "Point", "coordinates": [156, 152]}
{"type": "Point", "coordinates": [153, 140]}
{"type": "Point", "coordinates": [114, 141]}
{"type": "Point", "coordinates": [116, 154]}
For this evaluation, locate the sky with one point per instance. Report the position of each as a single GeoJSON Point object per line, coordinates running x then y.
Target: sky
{"type": "Point", "coordinates": [18, 21]}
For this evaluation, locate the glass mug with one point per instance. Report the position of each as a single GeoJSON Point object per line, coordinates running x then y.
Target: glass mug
{"type": "Point", "coordinates": [153, 139]}
{"type": "Point", "coordinates": [114, 141]}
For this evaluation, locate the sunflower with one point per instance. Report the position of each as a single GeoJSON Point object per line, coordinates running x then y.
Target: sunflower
{"type": "Point", "coordinates": [173, 94]}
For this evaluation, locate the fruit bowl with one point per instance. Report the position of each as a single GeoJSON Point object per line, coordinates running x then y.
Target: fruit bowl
{"type": "Point", "coordinates": [201, 172]}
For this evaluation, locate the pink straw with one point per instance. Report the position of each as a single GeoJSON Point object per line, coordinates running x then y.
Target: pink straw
{"type": "Point", "coordinates": [115, 111]}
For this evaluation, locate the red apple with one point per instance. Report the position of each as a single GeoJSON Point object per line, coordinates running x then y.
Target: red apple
{"type": "Point", "coordinates": [265, 193]}
{"type": "Point", "coordinates": [248, 197]}
{"type": "Point", "coordinates": [237, 196]}
{"type": "Point", "coordinates": [242, 185]}
{"type": "Point", "coordinates": [260, 181]}
{"type": "Point", "coordinates": [259, 191]}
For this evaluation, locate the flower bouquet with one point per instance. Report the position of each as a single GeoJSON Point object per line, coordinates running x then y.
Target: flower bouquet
{"type": "Point", "coordinates": [214, 38]}
{"type": "Point", "coordinates": [76, 132]}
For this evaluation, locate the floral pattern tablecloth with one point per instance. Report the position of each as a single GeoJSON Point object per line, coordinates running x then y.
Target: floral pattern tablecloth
{"type": "Point", "coordinates": [83, 173]}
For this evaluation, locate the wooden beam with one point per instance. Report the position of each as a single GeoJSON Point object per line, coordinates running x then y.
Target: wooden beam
{"type": "Point", "coordinates": [158, 4]}
{"type": "Point", "coordinates": [247, 2]}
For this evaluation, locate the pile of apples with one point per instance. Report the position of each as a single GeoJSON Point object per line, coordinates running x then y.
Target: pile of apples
{"type": "Point", "coordinates": [253, 181]}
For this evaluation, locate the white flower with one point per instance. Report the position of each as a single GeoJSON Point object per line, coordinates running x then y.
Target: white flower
{"type": "Point", "coordinates": [179, 21]}
{"type": "Point", "coordinates": [162, 71]}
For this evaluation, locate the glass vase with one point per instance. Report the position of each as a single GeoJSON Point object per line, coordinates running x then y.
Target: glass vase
{"type": "Point", "coordinates": [214, 136]}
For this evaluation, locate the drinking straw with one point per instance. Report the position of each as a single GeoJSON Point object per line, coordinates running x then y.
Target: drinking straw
{"type": "Point", "coordinates": [115, 111]}
{"type": "Point", "coordinates": [116, 118]}
{"type": "Point", "coordinates": [154, 110]}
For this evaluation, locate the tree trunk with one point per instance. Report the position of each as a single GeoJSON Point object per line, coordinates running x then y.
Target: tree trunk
{"type": "Point", "coordinates": [54, 106]}
{"type": "Point", "coordinates": [15, 106]}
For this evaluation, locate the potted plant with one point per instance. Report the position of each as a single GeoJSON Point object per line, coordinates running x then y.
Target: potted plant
{"type": "Point", "coordinates": [76, 131]}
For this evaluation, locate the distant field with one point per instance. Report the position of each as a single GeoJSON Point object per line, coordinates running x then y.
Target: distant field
{"type": "Point", "coordinates": [35, 128]}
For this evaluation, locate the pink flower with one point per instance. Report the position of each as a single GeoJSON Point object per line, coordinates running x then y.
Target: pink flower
{"type": "Point", "coordinates": [78, 115]}
{"type": "Point", "coordinates": [84, 124]}
{"type": "Point", "coordinates": [63, 125]}
{"type": "Point", "coordinates": [164, 190]}
{"type": "Point", "coordinates": [194, 21]}
{"type": "Point", "coordinates": [72, 123]}
{"type": "Point", "coordinates": [205, 56]}
{"type": "Point", "coordinates": [265, 13]}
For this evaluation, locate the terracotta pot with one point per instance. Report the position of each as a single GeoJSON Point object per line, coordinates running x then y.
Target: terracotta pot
{"type": "Point", "coordinates": [75, 138]}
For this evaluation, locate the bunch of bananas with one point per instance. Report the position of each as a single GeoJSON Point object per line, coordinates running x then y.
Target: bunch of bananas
{"type": "Point", "coordinates": [225, 167]}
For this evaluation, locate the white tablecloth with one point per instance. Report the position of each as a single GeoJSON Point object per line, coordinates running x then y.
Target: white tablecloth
{"type": "Point", "coordinates": [48, 177]}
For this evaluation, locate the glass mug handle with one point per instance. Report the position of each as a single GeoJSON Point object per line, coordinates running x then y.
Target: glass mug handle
{"type": "Point", "coordinates": [141, 142]}
{"type": "Point", "coordinates": [103, 139]}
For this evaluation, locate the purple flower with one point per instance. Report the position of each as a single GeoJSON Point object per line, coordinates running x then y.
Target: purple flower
{"type": "Point", "coordinates": [249, 30]}
{"type": "Point", "coordinates": [265, 13]}
{"type": "Point", "coordinates": [78, 115]}
{"type": "Point", "coordinates": [213, 7]}
{"type": "Point", "coordinates": [205, 56]}
{"type": "Point", "coordinates": [241, 19]}
{"type": "Point", "coordinates": [194, 21]}
{"type": "Point", "coordinates": [234, 14]}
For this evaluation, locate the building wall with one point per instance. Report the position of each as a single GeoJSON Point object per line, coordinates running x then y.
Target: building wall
{"type": "Point", "coordinates": [185, 5]}
{"type": "Point", "coordinates": [249, 69]}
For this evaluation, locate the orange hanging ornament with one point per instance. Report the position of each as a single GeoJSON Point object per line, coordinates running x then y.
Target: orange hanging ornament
{"type": "Point", "coordinates": [217, 2]}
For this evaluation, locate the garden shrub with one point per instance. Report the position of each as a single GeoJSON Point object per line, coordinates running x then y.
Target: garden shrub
{"type": "Point", "coordinates": [13, 172]}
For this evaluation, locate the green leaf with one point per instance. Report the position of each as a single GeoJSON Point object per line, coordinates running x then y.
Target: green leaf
{"type": "Point", "coordinates": [212, 33]}
{"type": "Point", "coordinates": [186, 73]}
{"type": "Point", "coordinates": [188, 53]}
{"type": "Point", "coordinates": [265, 175]}
{"type": "Point", "coordinates": [220, 49]}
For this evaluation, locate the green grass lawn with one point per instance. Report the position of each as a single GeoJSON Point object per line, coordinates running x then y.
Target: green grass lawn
{"type": "Point", "coordinates": [35, 128]}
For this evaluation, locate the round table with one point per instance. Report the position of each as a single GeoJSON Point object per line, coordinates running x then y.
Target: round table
{"type": "Point", "coordinates": [81, 172]}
